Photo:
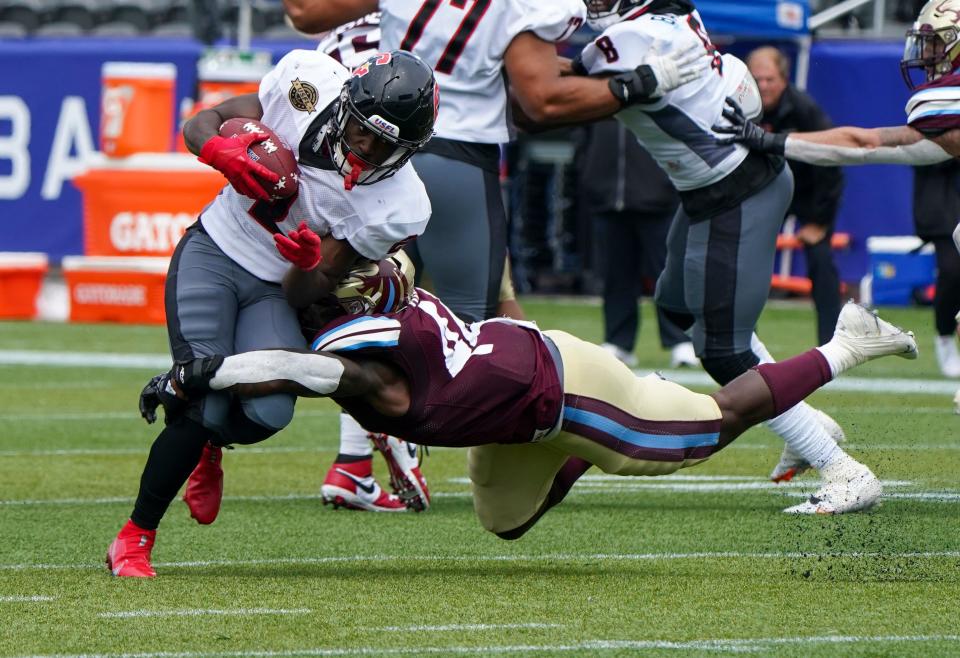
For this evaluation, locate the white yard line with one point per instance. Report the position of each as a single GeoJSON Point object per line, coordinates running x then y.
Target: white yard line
{"type": "Point", "coordinates": [720, 645]}
{"type": "Point", "coordinates": [145, 449]}
{"type": "Point", "coordinates": [203, 612]}
{"type": "Point", "coordinates": [421, 628]}
{"type": "Point", "coordinates": [26, 599]}
{"type": "Point", "coordinates": [685, 377]}
{"type": "Point", "coordinates": [532, 558]}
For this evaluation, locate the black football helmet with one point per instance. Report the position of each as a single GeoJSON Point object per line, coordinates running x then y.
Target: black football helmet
{"type": "Point", "coordinates": [394, 96]}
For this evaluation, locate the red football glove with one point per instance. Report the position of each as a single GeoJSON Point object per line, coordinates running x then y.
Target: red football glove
{"type": "Point", "coordinates": [228, 155]}
{"type": "Point", "coordinates": [300, 246]}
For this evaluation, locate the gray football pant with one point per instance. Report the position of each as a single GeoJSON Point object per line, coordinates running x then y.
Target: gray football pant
{"type": "Point", "coordinates": [214, 306]}
{"type": "Point", "coordinates": [464, 246]}
{"type": "Point", "coordinates": [718, 269]}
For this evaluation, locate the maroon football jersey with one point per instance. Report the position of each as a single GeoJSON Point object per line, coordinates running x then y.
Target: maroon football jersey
{"type": "Point", "coordinates": [470, 384]}
{"type": "Point", "coordinates": [934, 107]}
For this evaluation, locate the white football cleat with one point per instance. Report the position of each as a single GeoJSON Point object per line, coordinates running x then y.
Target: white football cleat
{"type": "Point", "coordinates": [791, 464]}
{"type": "Point", "coordinates": [849, 486]}
{"type": "Point", "coordinates": [682, 355]}
{"type": "Point", "coordinates": [628, 359]}
{"type": "Point", "coordinates": [948, 357]}
{"type": "Point", "coordinates": [863, 336]}
{"type": "Point", "coordinates": [406, 479]}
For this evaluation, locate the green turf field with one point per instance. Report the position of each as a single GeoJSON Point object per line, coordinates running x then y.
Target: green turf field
{"type": "Point", "coordinates": [701, 563]}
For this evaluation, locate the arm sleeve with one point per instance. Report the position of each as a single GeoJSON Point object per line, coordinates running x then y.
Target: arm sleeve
{"type": "Point", "coordinates": [923, 152]}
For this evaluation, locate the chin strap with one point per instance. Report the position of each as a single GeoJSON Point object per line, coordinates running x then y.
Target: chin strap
{"type": "Point", "coordinates": [357, 167]}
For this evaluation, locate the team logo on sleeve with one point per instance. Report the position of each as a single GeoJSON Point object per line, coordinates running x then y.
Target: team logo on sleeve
{"type": "Point", "coordinates": [303, 96]}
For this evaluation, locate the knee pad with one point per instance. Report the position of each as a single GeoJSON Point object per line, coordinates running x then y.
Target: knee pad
{"type": "Point", "coordinates": [273, 411]}
{"type": "Point", "coordinates": [725, 369]}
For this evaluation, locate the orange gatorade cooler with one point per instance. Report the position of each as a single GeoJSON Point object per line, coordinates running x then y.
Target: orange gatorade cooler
{"type": "Point", "coordinates": [116, 289]}
{"type": "Point", "coordinates": [136, 109]}
{"type": "Point", "coordinates": [223, 73]}
{"type": "Point", "coordinates": [21, 276]}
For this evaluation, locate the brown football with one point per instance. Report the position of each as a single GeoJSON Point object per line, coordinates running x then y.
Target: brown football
{"type": "Point", "coordinates": [273, 153]}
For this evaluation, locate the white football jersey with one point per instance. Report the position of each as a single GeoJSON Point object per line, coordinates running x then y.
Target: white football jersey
{"type": "Point", "coordinates": [372, 218]}
{"type": "Point", "coordinates": [353, 43]}
{"type": "Point", "coordinates": [677, 128]}
{"type": "Point", "coordinates": [464, 42]}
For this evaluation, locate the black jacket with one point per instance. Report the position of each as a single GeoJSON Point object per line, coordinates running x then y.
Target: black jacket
{"type": "Point", "coordinates": [817, 190]}
{"type": "Point", "coordinates": [615, 173]}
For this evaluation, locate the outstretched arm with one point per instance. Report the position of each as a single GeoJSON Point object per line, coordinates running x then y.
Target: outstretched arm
{"type": "Point", "coordinates": [298, 372]}
{"type": "Point", "coordinates": [846, 145]}
{"type": "Point", "coordinates": [852, 145]}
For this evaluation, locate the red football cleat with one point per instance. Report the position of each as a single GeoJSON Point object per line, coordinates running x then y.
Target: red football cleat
{"type": "Point", "coordinates": [205, 486]}
{"type": "Point", "coordinates": [128, 556]}
{"type": "Point", "coordinates": [351, 485]}
{"type": "Point", "coordinates": [406, 480]}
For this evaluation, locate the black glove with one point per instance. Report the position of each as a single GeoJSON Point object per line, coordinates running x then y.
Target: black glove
{"type": "Point", "coordinates": [748, 133]}
{"type": "Point", "coordinates": [636, 86]}
{"type": "Point", "coordinates": [193, 377]}
{"type": "Point", "coordinates": [155, 394]}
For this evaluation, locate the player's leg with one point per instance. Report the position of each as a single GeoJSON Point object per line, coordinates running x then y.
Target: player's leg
{"type": "Point", "coordinates": [825, 281]}
{"type": "Point", "coordinates": [620, 269]}
{"type": "Point", "coordinates": [349, 482]}
{"type": "Point", "coordinates": [515, 484]}
{"type": "Point", "coordinates": [200, 302]}
{"type": "Point", "coordinates": [859, 337]}
{"type": "Point", "coordinates": [946, 304]}
{"type": "Point", "coordinates": [507, 304]}
{"type": "Point", "coordinates": [463, 247]}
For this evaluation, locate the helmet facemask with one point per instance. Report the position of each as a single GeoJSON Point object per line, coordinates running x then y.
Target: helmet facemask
{"type": "Point", "coordinates": [352, 165]}
{"type": "Point", "coordinates": [932, 49]}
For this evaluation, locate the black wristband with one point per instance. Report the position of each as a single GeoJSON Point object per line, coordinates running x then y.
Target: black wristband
{"type": "Point", "coordinates": [636, 86]}
{"type": "Point", "coordinates": [774, 143]}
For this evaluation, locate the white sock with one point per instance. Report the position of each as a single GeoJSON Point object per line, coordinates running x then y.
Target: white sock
{"type": "Point", "coordinates": [353, 438]}
{"type": "Point", "coordinates": [799, 426]}
{"type": "Point", "coordinates": [838, 357]}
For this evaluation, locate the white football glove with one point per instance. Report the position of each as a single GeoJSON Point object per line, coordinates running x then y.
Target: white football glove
{"type": "Point", "coordinates": [673, 69]}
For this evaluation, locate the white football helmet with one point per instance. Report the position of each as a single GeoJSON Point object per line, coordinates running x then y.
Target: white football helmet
{"type": "Point", "coordinates": [932, 49]}
{"type": "Point", "coordinates": [601, 14]}
{"type": "Point", "coordinates": [372, 288]}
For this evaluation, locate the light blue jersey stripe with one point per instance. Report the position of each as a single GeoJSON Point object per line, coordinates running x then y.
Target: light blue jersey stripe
{"type": "Point", "coordinates": [371, 343]}
{"type": "Point", "coordinates": [642, 439]}
{"type": "Point", "coordinates": [363, 318]}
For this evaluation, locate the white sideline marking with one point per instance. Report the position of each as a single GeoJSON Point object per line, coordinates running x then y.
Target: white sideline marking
{"type": "Point", "coordinates": [550, 557]}
{"type": "Point", "coordinates": [685, 377]}
{"type": "Point", "coordinates": [199, 612]}
{"type": "Point", "coordinates": [728, 645]}
{"type": "Point", "coordinates": [26, 599]}
{"type": "Point", "coordinates": [463, 627]}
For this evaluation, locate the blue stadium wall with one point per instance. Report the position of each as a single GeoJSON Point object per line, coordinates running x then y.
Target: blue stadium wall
{"type": "Point", "coordinates": [49, 117]}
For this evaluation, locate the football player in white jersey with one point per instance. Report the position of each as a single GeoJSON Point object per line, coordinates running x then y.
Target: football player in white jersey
{"type": "Point", "coordinates": [931, 69]}
{"type": "Point", "coordinates": [721, 246]}
{"type": "Point", "coordinates": [231, 285]}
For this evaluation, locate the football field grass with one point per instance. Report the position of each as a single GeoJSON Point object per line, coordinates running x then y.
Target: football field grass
{"type": "Point", "coordinates": [702, 563]}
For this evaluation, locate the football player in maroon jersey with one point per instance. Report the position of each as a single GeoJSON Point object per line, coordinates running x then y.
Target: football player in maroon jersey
{"type": "Point", "coordinates": [535, 409]}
